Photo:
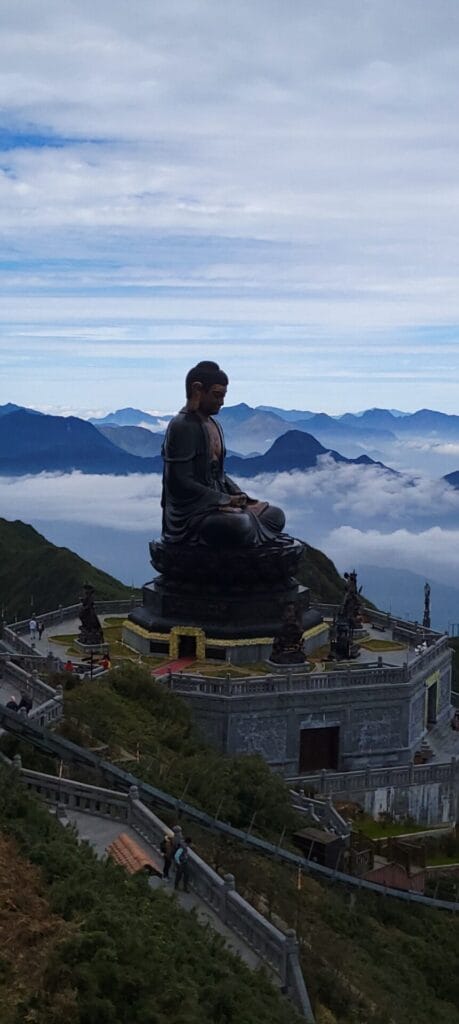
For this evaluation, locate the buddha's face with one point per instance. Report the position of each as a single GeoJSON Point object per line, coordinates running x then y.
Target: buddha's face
{"type": "Point", "coordinates": [211, 401]}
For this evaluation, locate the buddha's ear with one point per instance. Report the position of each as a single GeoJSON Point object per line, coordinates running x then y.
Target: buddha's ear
{"type": "Point", "coordinates": [196, 392]}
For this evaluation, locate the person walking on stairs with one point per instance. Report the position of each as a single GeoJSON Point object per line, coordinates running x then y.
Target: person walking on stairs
{"type": "Point", "coordinates": [182, 867]}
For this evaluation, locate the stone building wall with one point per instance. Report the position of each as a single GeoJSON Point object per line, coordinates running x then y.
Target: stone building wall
{"type": "Point", "coordinates": [378, 725]}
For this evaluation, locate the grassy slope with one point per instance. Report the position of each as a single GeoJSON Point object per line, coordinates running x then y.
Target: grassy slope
{"type": "Point", "coordinates": [366, 958]}
{"type": "Point", "coordinates": [84, 944]}
{"type": "Point", "coordinates": [31, 565]}
{"type": "Point", "coordinates": [319, 574]}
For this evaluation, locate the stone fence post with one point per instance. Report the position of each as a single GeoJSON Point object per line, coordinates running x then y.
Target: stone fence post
{"type": "Point", "coordinates": [293, 983]}
{"type": "Point", "coordinates": [229, 885]}
{"type": "Point", "coordinates": [133, 795]}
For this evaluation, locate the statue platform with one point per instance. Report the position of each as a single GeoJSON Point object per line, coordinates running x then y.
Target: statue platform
{"type": "Point", "coordinates": [234, 597]}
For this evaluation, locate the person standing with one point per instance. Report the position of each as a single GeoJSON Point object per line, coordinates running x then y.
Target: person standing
{"type": "Point", "coordinates": [33, 628]}
{"type": "Point", "coordinates": [167, 850]}
{"type": "Point", "coordinates": [41, 628]}
{"type": "Point", "coordinates": [182, 866]}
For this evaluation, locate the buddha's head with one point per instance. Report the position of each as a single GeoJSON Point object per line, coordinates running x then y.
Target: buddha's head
{"type": "Point", "coordinates": [206, 386]}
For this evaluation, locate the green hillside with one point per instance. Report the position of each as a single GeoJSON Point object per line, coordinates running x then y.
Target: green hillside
{"type": "Point", "coordinates": [82, 943]}
{"type": "Point", "coordinates": [319, 574]}
{"type": "Point", "coordinates": [367, 959]}
{"type": "Point", "coordinates": [35, 575]}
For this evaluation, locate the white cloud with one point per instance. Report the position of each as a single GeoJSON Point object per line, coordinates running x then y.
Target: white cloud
{"type": "Point", "coordinates": [119, 502]}
{"type": "Point", "coordinates": [342, 491]}
{"type": "Point", "coordinates": [433, 552]}
{"type": "Point", "coordinates": [239, 171]}
{"type": "Point", "coordinates": [355, 514]}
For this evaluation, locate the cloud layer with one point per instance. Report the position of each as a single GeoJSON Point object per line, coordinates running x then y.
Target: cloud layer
{"type": "Point", "coordinates": [355, 514]}
{"type": "Point", "coordinates": [179, 178]}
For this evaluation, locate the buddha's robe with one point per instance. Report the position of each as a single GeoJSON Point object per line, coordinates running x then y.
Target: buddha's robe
{"type": "Point", "coordinates": [196, 489]}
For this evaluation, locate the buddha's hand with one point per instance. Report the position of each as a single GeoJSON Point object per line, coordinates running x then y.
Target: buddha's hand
{"type": "Point", "coordinates": [238, 500]}
{"type": "Point", "coordinates": [257, 507]}
{"type": "Point", "coordinates": [237, 503]}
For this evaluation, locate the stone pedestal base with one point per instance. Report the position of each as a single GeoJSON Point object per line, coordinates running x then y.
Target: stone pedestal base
{"type": "Point", "coordinates": [298, 669]}
{"type": "Point", "coordinates": [221, 612]}
{"type": "Point", "coordinates": [91, 648]}
{"type": "Point", "coordinates": [222, 597]}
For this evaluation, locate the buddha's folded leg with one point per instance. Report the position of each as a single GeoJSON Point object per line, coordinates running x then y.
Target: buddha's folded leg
{"type": "Point", "coordinates": [273, 519]}
{"type": "Point", "coordinates": [229, 529]}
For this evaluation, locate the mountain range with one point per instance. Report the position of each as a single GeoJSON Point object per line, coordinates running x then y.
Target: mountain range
{"type": "Point", "coordinates": [250, 429]}
{"type": "Point", "coordinates": [453, 479]}
{"type": "Point", "coordinates": [130, 417]}
{"type": "Point", "coordinates": [294, 450]}
{"type": "Point", "coordinates": [32, 442]}
{"type": "Point", "coordinates": [402, 592]}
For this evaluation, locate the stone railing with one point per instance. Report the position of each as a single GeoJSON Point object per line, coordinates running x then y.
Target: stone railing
{"type": "Point", "coordinates": [347, 783]}
{"type": "Point", "coordinates": [278, 950]}
{"type": "Point", "coordinates": [321, 811]}
{"type": "Point", "coordinates": [76, 796]}
{"type": "Point", "coordinates": [274, 947]}
{"type": "Point", "coordinates": [29, 683]}
{"type": "Point", "coordinates": [48, 713]}
{"type": "Point", "coordinates": [66, 751]}
{"type": "Point", "coordinates": [13, 640]}
{"type": "Point", "coordinates": [371, 675]}
{"type": "Point", "coordinates": [49, 703]}
{"type": "Point", "coordinates": [71, 612]}
{"type": "Point", "coordinates": [431, 654]}
{"type": "Point", "coordinates": [384, 619]}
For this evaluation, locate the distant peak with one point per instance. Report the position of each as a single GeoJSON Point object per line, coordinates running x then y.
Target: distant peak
{"type": "Point", "coordinates": [296, 440]}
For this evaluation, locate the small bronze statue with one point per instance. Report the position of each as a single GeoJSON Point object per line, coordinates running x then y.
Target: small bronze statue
{"type": "Point", "coordinates": [91, 634]}
{"type": "Point", "coordinates": [348, 619]}
{"type": "Point", "coordinates": [351, 607]}
{"type": "Point", "coordinates": [426, 617]}
{"type": "Point", "coordinates": [288, 647]}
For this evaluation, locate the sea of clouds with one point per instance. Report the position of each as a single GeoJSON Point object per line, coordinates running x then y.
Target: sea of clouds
{"type": "Point", "coordinates": [355, 514]}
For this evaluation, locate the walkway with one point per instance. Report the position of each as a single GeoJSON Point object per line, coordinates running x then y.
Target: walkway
{"type": "Point", "coordinates": [179, 665]}
{"type": "Point", "coordinates": [69, 627]}
{"type": "Point", "coordinates": [100, 832]}
{"type": "Point", "coordinates": [444, 741]}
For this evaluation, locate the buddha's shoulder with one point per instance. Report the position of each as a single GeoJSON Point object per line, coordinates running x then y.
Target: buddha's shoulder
{"type": "Point", "coordinates": [184, 422]}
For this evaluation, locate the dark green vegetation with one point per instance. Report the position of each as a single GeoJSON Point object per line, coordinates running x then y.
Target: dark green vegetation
{"type": "Point", "coordinates": [365, 958]}
{"type": "Point", "coordinates": [149, 730]}
{"type": "Point", "coordinates": [105, 949]}
{"type": "Point", "coordinates": [318, 572]}
{"type": "Point", "coordinates": [32, 567]}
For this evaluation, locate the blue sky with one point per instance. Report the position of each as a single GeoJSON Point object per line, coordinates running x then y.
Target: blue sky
{"type": "Point", "coordinates": [273, 185]}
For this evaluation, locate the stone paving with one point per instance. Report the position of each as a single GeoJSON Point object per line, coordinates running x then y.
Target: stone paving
{"type": "Point", "coordinates": [70, 627]}
{"type": "Point", "coordinates": [100, 832]}
{"type": "Point", "coordinates": [444, 741]}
